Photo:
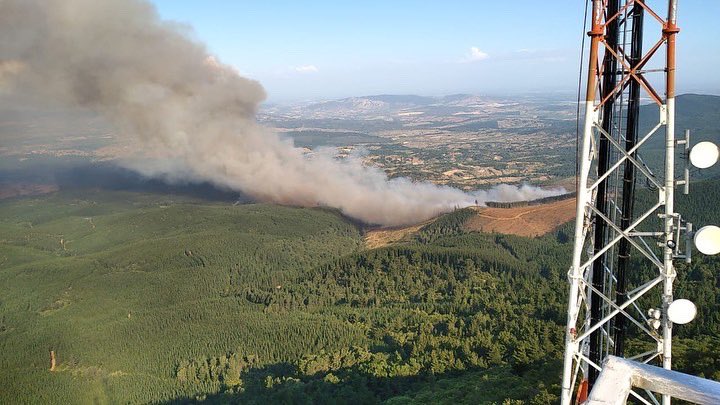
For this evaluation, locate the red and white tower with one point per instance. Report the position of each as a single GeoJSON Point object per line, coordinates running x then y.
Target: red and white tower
{"type": "Point", "coordinates": [612, 234]}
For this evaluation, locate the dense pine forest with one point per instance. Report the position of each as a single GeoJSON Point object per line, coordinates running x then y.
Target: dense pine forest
{"type": "Point", "coordinates": [146, 298]}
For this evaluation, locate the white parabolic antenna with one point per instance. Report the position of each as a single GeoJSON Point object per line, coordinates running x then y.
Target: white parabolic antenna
{"type": "Point", "coordinates": [704, 155]}
{"type": "Point", "coordinates": [682, 311]}
{"type": "Point", "coordinates": [707, 240]}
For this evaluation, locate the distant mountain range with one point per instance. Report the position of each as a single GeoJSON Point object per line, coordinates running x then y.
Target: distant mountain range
{"type": "Point", "coordinates": [390, 105]}
{"type": "Point", "coordinates": [390, 102]}
{"type": "Point", "coordinates": [698, 112]}
{"type": "Point", "coordinates": [693, 108]}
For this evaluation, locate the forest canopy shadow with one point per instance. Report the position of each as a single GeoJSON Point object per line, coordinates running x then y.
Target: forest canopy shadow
{"type": "Point", "coordinates": [282, 383]}
{"type": "Point", "coordinates": [84, 175]}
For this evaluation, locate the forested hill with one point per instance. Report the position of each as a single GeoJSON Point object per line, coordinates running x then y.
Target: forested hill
{"type": "Point", "coordinates": [147, 298]}
{"type": "Point", "coordinates": [696, 112]}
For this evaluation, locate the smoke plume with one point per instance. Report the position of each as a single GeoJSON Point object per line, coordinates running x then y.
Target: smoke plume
{"type": "Point", "coordinates": [191, 115]}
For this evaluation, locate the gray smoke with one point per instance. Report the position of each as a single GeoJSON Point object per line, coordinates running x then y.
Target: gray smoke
{"type": "Point", "coordinates": [192, 116]}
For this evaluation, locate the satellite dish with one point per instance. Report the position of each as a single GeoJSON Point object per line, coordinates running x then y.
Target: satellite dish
{"type": "Point", "coordinates": [682, 311]}
{"type": "Point", "coordinates": [707, 240]}
{"type": "Point", "coordinates": [704, 155]}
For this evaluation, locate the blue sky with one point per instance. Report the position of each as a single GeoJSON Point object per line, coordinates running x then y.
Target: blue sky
{"type": "Point", "coordinates": [326, 49]}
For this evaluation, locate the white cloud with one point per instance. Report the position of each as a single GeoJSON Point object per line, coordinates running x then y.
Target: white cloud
{"type": "Point", "coordinates": [306, 69]}
{"type": "Point", "coordinates": [475, 55]}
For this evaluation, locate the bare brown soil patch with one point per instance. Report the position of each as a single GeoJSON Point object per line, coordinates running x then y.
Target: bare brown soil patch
{"type": "Point", "coordinates": [528, 221]}
{"type": "Point", "coordinates": [387, 236]}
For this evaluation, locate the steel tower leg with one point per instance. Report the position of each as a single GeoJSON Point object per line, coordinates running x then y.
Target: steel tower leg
{"type": "Point", "coordinates": [575, 274]}
{"type": "Point", "coordinates": [670, 31]}
{"type": "Point", "coordinates": [628, 190]}
{"type": "Point", "coordinates": [609, 76]}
